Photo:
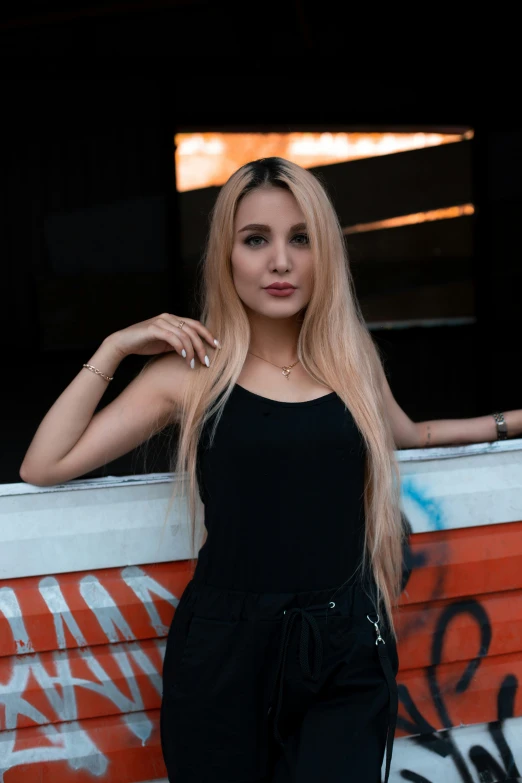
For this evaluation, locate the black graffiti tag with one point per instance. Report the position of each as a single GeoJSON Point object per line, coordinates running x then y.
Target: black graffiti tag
{"type": "Point", "coordinates": [442, 743]}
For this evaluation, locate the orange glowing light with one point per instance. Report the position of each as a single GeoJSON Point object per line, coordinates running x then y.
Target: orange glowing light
{"type": "Point", "coordinates": [209, 159]}
{"type": "Point", "coordinates": [408, 220]}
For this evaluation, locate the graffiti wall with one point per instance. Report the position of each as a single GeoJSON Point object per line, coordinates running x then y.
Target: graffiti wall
{"type": "Point", "coordinates": [89, 582]}
{"type": "Point", "coordinates": [460, 713]}
{"type": "Point", "coordinates": [80, 673]}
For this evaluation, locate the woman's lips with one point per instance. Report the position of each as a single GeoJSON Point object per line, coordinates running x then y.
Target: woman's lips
{"type": "Point", "coordinates": [280, 291]}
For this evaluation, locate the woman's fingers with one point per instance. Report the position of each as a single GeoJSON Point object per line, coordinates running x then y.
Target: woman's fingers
{"type": "Point", "coordinates": [190, 335]}
{"type": "Point", "coordinates": [198, 327]}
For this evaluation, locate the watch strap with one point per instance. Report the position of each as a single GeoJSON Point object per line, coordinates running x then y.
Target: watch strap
{"type": "Point", "coordinates": [502, 431]}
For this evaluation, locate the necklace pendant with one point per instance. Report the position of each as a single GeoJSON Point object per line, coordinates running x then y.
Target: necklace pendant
{"type": "Point", "coordinates": [286, 372]}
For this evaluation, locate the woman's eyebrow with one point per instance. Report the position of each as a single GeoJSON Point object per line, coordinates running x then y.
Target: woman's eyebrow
{"type": "Point", "coordinates": [262, 227]}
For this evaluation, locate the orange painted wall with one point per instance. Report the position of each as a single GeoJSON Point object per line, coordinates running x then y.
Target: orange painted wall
{"type": "Point", "coordinates": [460, 629]}
{"type": "Point", "coordinates": [460, 643]}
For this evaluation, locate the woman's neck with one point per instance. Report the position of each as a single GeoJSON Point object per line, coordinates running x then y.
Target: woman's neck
{"type": "Point", "coordinates": [275, 339]}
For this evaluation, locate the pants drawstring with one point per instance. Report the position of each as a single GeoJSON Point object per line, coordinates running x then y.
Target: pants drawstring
{"type": "Point", "coordinates": [313, 672]}
{"type": "Point", "coordinates": [308, 623]}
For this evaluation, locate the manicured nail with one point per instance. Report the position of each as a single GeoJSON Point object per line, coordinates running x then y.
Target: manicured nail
{"type": "Point", "coordinates": [192, 363]}
{"type": "Point", "coordinates": [207, 361]}
{"type": "Point", "coordinates": [217, 343]}
{"type": "Point", "coordinates": [184, 353]}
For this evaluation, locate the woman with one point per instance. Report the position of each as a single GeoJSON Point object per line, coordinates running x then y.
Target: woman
{"type": "Point", "coordinates": [281, 659]}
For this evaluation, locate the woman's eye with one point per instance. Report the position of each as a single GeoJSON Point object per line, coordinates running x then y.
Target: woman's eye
{"type": "Point", "coordinates": [247, 241]}
{"type": "Point", "coordinates": [251, 243]}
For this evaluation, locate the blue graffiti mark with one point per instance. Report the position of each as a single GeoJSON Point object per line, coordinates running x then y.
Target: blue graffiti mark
{"type": "Point", "coordinates": [433, 510]}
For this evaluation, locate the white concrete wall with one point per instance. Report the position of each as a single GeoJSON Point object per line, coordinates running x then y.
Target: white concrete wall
{"type": "Point", "coordinates": [119, 521]}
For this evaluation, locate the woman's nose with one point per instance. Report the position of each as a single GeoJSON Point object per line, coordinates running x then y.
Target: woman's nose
{"type": "Point", "coordinates": [281, 258]}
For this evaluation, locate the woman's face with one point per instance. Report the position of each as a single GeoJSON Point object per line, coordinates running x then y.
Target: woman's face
{"type": "Point", "coordinates": [271, 246]}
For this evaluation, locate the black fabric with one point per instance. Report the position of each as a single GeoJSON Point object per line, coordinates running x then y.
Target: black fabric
{"type": "Point", "coordinates": [272, 673]}
{"type": "Point", "coordinates": [232, 714]}
{"type": "Point", "coordinates": [283, 491]}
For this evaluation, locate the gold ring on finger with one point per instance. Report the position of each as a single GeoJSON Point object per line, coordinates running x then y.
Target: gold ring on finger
{"type": "Point", "coordinates": [180, 325]}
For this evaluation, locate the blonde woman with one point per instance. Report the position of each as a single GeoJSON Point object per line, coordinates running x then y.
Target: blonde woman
{"type": "Point", "coordinates": [281, 660]}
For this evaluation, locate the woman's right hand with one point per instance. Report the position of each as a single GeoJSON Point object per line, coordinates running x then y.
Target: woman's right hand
{"type": "Point", "coordinates": [162, 334]}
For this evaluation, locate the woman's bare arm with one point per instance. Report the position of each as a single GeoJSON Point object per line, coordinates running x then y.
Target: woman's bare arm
{"type": "Point", "coordinates": [71, 441]}
{"type": "Point", "coordinates": [408, 434]}
{"type": "Point", "coordinates": [478, 429]}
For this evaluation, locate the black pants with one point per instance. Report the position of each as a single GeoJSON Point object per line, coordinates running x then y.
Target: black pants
{"type": "Point", "coordinates": [277, 687]}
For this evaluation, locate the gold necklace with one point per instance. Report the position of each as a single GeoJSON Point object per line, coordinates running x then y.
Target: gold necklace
{"type": "Point", "coordinates": [286, 368]}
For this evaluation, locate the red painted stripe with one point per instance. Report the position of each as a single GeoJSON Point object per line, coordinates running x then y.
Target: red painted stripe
{"type": "Point", "coordinates": [476, 703]}
{"type": "Point", "coordinates": [39, 621]}
{"type": "Point", "coordinates": [98, 679]}
{"type": "Point", "coordinates": [465, 562]}
{"type": "Point", "coordinates": [105, 746]}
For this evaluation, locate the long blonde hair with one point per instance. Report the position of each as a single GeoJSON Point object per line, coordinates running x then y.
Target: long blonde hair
{"type": "Point", "coordinates": [334, 347]}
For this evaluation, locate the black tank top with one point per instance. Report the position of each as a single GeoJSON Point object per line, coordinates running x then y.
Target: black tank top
{"type": "Point", "coordinates": [283, 488]}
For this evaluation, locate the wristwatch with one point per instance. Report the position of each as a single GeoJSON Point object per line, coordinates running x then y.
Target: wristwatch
{"type": "Point", "coordinates": [502, 431]}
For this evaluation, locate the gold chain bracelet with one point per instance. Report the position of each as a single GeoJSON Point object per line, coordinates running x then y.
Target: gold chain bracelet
{"type": "Point", "coordinates": [98, 372]}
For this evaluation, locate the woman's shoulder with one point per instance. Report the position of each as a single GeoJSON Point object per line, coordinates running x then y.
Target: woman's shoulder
{"type": "Point", "coordinates": [172, 373]}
